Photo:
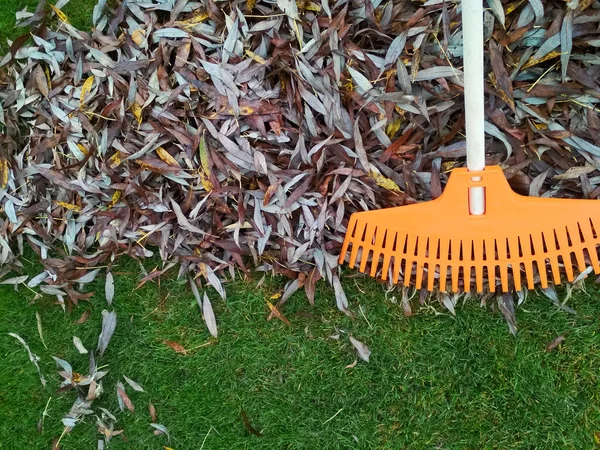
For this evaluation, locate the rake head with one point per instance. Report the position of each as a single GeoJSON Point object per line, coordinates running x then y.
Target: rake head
{"type": "Point", "coordinates": [441, 245]}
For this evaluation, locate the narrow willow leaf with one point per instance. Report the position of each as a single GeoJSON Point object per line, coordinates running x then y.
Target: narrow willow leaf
{"type": "Point", "coordinates": [498, 10]}
{"type": "Point", "coordinates": [209, 316]}
{"type": "Point", "coordinates": [109, 323]}
{"type": "Point", "coordinates": [109, 288]}
{"type": "Point", "coordinates": [32, 357]}
{"type": "Point", "coordinates": [136, 387]}
{"type": "Point", "coordinates": [361, 349]}
{"type": "Point", "coordinates": [566, 42]}
{"type": "Point", "coordinates": [85, 89]}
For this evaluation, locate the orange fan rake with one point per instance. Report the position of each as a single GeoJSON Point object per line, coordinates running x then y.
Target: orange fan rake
{"type": "Point", "coordinates": [479, 231]}
{"type": "Point", "coordinates": [440, 244]}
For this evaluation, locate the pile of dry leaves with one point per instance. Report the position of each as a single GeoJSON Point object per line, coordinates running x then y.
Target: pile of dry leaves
{"type": "Point", "coordinates": [241, 135]}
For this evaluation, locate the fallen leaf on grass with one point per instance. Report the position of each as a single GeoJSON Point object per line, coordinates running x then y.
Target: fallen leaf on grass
{"type": "Point", "coordinates": [79, 345]}
{"type": "Point", "coordinates": [136, 387]}
{"type": "Point", "coordinates": [554, 343]}
{"type": "Point", "coordinates": [209, 316]}
{"type": "Point", "coordinates": [123, 398]}
{"type": "Point", "coordinates": [175, 346]}
{"type": "Point", "coordinates": [109, 288]}
{"type": "Point", "coordinates": [32, 357]}
{"type": "Point", "coordinates": [160, 429]}
{"type": "Point", "coordinates": [39, 327]}
{"type": "Point", "coordinates": [363, 351]}
{"type": "Point", "coordinates": [277, 313]}
{"type": "Point", "coordinates": [84, 317]}
{"type": "Point", "coordinates": [152, 412]}
{"type": "Point", "coordinates": [350, 366]}
{"type": "Point", "coordinates": [248, 425]}
{"type": "Point", "coordinates": [109, 322]}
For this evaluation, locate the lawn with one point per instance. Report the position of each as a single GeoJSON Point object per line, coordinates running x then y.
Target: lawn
{"type": "Point", "coordinates": [433, 380]}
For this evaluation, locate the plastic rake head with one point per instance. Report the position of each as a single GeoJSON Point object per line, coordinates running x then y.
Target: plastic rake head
{"type": "Point", "coordinates": [440, 245]}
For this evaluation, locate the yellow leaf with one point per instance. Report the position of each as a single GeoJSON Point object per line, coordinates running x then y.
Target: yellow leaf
{"type": "Point", "coordinates": [82, 149]}
{"type": "Point", "coordinates": [115, 160]}
{"type": "Point", "coordinates": [597, 437]}
{"type": "Point", "coordinates": [138, 36]}
{"type": "Point", "coordinates": [513, 6]}
{"type": "Point", "coordinates": [115, 199]}
{"type": "Point", "coordinates": [69, 206]}
{"type": "Point", "coordinates": [534, 62]}
{"type": "Point", "coordinates": [166, 157]}
{"type": "Point", "coordinates": [416, 63]}
{"type": "Point", "coordinates": [201, 271]}
{"type": "Point", "coordinates": [448, 166]}
{"type": "Point", "coordinates": [310, 6]}
{"type": "Point", "coordinates": [193, 21]}
{"type": "Point", "coordinates": [393, 127]}
{"type": "Point", "coordinates": [61, 15]}
{"type": "Point", "coordinates": [203, 155]}
{"type": "Point", "coordinates": [250, 5]}
{"type": "Point", "coordinates": [246, 110]}
{"type": "Point", "coordinates": [259, 59]}
{"type": "Point", "coordinates": [385, 182]}
{"type": "Point", "coordinates": [85, 89]}
{"type": "Point", "coordinates": [47, 72]}
{"type": "Point", "coordinates": [137, 112]}
{"type": "Point", "coordinates": [4, 172]}
{"type": "Point", "coordinates": [276, 296]}
{"type": "Point", "coordinates": [206, 184]}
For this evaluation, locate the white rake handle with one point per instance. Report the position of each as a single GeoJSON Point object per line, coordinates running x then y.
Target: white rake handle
{"type": "Point", "coordinates": [472, 18]}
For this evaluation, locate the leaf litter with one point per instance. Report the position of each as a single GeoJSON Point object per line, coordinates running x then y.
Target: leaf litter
{"type": "Point", "coordinates": [148, 135]}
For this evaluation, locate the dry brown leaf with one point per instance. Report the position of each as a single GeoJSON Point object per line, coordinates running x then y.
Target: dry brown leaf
{"type": "Point", "coordinates": [176, 346]}
{"type": "Point", "coordinates": [555, 343]}
{"type": "Point", "coordinates": [277, 313]}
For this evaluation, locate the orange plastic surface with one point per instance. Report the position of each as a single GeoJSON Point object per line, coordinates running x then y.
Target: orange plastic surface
{"type": "Point", "coordinates": [439, 244]}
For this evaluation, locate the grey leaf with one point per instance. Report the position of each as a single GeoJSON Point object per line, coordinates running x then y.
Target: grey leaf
{"type": "Point", "coordinates": [109, 288]}
{"type": "Point", "coordinates": [361, 349]}
{"type": "Point", "coordinates": [79, 345]}
{"type": "Point", "coordinates": [136, 387]}
{"type": "Point", "coordinates": [209, 316]}
{"type": "Point", "coordinates": [394, 50]}
{"type": "Point", "coordinates": [360, 79]}
{"type": "Point", "coordinates": [32, 357]}
{"type": "Point", "coordinates": [566, 42]}
{"type": "Point", "coordinates": [15, 280]}
{"type": "Point", "coordinates": [109, 323]}
{"type": "Point", "coordinates": [437, 72]}
{"type": "Point", "coordinates": [497, 9]}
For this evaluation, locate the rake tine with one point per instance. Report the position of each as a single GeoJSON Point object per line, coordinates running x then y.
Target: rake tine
{"type": "Point", "coordinates": [516, 271]}
{"type": "Point", "coordinates": [408, 269]}
{"type": "Point", "coordinates": [443, 268]}
{"type": "Point", "coordinates": [353, 254]}
{"type": "Point", "coordinates": [555, 270]}
{"type": "Point", "coordinates": [529, 274]}
{"type": "Point", "coordinates": [543, 271]}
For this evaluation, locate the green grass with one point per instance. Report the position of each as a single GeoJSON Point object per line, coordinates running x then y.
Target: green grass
{"type": "Point", "coordinates": [433, 381]}
{"type": "Point", "coordinates": [79, 13]}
